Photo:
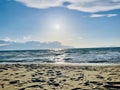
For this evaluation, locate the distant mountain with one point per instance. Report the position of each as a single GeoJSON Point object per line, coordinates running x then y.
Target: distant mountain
{"type": "Point", "coordinates": [30, 45]}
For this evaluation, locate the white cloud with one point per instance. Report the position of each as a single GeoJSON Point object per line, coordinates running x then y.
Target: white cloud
{"type": "Point", "coordinates": [112, 15]}
{"type": "Point", "coordinates": [26, 38]}
{"type": "Point", "coordinates": [3, 45]}
{"type": "Point", "coordinates": [77, 1]}
{"type": "Point", "coordinates": [90, 6]}
{"type": "Point", "coordinates": [102, 15]}
{"type": "Point", "coordinates": [23, 39]}
{"type": "Point", "coordinates": [8, 39]}
{"type": "Point", "coordinates": [41, 3]}
{"type": "Point", "coordinates": [95, 6]}
{"type": "Point", "coordinates": [116, 0]}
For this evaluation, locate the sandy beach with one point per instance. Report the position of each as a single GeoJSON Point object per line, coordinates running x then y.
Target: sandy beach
{"type": "Point", "coordinates": [59, 77]}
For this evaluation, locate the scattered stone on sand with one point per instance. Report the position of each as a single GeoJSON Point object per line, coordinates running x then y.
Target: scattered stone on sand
{"type": "Point", "coordinates": [2, 85]}
{"type": "Point", "coordinates": [58, 73]}
{"type": "Point", "coordinates": [95, 82]}
{"type": "Point", "coordinates": [76, 89]}
{"type": "Point", "coordinates": [14, 82]}
{"type": "Point", "coordinates": [1, 70]}
{"type": "Point", "coordinates": [38, 80]}
{"type": "Point", "coordinates": [99, 76]}
{"type": "Point", "coordinates": [6, 79]}
{"type": "Point", "coordinates": [58, 77]}
{"type": "Point", "coordinates": [22, 89]}
{"type": "Point", "coordinates": [34, 86]}
{"type": "Point", "coordinates": [87, 83]}
{"type": "Point", "coordinates": [113, 83]}
{"type": "Point", "coordinates": [113, 87]}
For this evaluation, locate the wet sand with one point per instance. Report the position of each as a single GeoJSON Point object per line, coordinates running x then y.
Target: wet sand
{"type": "Point", "coordinates": [59, 77]}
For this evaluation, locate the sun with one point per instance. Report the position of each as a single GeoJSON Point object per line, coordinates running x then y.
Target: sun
{"type": "Point", "coordinates": [57, 26]}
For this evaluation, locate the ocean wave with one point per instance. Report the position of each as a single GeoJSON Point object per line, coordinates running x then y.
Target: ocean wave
{"type": "Point", "coordinates": [96, 55]}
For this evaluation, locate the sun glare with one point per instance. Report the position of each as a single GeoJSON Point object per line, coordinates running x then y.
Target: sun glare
{"type": "Point", "coordinates": [57, 26]}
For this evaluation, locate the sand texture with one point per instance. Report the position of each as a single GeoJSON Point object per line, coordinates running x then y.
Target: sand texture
{"type": "Point", "coordinates": [59, 77]}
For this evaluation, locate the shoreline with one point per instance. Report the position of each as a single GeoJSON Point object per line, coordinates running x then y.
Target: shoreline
{"type": "Point", "coordinates": [59, 77]}
{"type": "Point", "coordinates": [74, 64]}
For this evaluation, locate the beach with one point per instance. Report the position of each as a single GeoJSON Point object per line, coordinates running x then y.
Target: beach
{"type": "Point", "coordinates": [59, 77]}
{"type": "Point", "coordinates": [59, 44]}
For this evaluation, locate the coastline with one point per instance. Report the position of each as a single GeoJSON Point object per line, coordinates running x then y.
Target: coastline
{"type": "Point", "coordinates": [57, 63]}
{"type": "Point", "coordinates": [59, 77]}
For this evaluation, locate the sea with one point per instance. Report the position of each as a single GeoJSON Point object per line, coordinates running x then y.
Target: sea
{"type": "Point", "coordinates": [63, 56]}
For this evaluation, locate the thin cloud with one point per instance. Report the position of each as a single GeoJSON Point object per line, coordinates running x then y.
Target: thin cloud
{"type": "Point", "coordinates": [90, 6]}
{"type": "Point", "coordinates": [41, 4]}
{"type": "Point", "coordinates": [102, 15]}
{"type": "Point", "coordinates": [23, 39]}
{"type": "Point", "coordinates": [1, 45]}
{"type": "Point", "coordinates": [112, 15]}
{"type": "Point", "coordinates": [26, 38]}
{"type": "Point", "coordinates": [7, 39]}
{"type": "Point", "coordinates": [116, 0]}
{"type": "Point", "coordinates": [95, 6]}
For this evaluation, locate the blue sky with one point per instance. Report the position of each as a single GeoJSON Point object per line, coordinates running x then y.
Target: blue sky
{"type": "Point", "coordinates": [77, 23]}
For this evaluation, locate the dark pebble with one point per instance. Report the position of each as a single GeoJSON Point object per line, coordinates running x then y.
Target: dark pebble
{"type": "Point", "coordinates": [6, 79]}
{"type": "Point", "coordinates": [112, 87]}
{"type": "Point", "coordinates": [2, 85]}
{"type": "Point", "coordinates": [76, 89]}
{"type": "Point", "coordinates": [37, 80]}
{"type": "Point", "coordinates": [113, 82]}
{"type": "Point", "coordinates": [100, 77]}
{"type": "Point", "coordinates": [35, 86]}
{"type": "Point", "coordinates": [56, 84]}
{"type": "Point", "coordinates": [14, 82]}
{"type": "Point", "coordinates": [22, 89]}
{"type": "Point", "coordinates": [86, 83]}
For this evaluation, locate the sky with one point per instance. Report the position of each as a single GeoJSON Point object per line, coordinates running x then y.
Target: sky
{"type": "Point", "coordinates": [77, 23]}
